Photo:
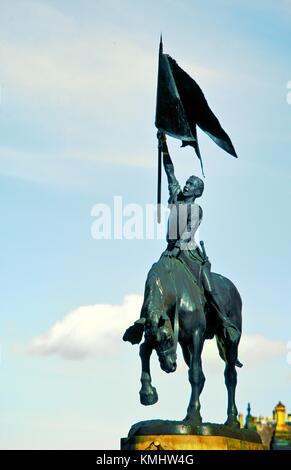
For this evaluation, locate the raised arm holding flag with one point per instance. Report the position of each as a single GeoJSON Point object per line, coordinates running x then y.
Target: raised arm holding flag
{"type": "Point", "coordinates": [181, 107]}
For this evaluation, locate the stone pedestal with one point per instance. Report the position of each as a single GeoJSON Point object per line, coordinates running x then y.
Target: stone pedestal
{"type": "Point", "coordinates": [176, 435]}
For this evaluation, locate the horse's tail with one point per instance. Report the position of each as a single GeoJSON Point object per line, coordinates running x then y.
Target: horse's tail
{"type": "Point", "coordinates": [221, 350]}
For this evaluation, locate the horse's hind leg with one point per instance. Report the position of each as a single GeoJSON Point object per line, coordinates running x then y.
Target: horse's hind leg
{"type": "Point", "coordinates": [196, 378]}
{"type": "Point", "coordinates": [230, 376]}
{"type": "Point", "coordinates": [148, 393]}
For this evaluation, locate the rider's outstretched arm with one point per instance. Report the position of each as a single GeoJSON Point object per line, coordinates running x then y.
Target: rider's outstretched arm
{"type": "Point", "coordinates": [168, 164]}
{"type": "Point", "coordinates": [173, 184]}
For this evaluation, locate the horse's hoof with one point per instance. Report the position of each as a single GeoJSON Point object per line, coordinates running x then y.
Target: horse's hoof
{"type": "Point", "coordinates": [232, 422]}
{"type": "Point", "coordinates": [149, 398]}
{"type": "Point", "coordinates": [193, 420]}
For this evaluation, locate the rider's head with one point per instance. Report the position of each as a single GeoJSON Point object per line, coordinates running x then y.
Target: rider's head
{"type": "Point", "coordinates": [194, 187]}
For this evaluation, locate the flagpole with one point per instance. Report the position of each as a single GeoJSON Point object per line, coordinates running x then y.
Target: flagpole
{"type": "Point", "coordinates": [159, 180]}
{"type": "Point", "coordinates": [159, 189]}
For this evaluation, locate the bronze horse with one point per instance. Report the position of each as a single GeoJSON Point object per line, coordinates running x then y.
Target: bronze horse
{"type": "Point", "coordinates": [175, 302]}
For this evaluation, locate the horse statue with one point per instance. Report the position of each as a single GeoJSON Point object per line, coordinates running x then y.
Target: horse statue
{"type": "Point", "coordinates": [186, 303]}
{"type": "Point", "coordinates": [179, 308]}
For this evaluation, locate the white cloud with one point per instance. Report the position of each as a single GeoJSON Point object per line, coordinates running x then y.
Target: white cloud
{"type": "Point", "coordinates": [78, 71]}
{"type": "Point", "coordinates": [253, 349]}
{"type": "Point", "coordinates": [69, 66]}
{"type": "Point", "coordinates": [88, 92]}
{"type": "Point", "coordinates": [69, 169]}
{"type": "Point", "coordinates": [84, 94]}
{"type": "Point", "coordinates": [88, 330]}
{"type": "Point", "coordinates": [80, 90]}
{"type": "Point", "coordinates": [258, 348]}
{"type": "Point", "coordinates": [94, 329]}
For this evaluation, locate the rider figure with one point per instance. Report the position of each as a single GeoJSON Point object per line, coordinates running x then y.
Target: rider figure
{"type": "Point", "coordinates": [184, 220]}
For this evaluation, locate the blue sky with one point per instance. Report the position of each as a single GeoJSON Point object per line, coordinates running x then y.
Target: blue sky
{"type": "Point", "coordinates": [78, 87]}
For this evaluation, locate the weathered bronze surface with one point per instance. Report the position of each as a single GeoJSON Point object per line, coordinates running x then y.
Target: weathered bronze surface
{"type": "Point", "coordinates": [185, 303]}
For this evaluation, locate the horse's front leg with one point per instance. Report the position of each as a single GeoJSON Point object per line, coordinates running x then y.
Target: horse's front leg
{"type": "Point", "coordinates": [230, 376]}
{"type": "Point", "coordinates": [148, 393]}
{"type": "Point", "coordinates": [196, 378]}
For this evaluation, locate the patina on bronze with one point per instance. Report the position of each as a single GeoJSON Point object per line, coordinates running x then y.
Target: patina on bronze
{"type": "Point", "coordinates": [184, 301]}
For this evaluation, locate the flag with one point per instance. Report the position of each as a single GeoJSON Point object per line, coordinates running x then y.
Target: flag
{"type": "Point", "coordinates": [181, 106]}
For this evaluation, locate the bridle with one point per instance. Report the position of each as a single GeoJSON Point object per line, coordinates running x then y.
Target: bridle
{"type": "Point", "coordinates": [173, 348]}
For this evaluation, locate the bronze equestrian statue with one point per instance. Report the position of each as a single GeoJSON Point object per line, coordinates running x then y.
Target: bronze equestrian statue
{"type": "Point", "coordinates": [187, 303]}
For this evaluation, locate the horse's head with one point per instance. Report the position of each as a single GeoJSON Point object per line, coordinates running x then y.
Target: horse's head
{"type": "Point", "coordinates": [166, 347]}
